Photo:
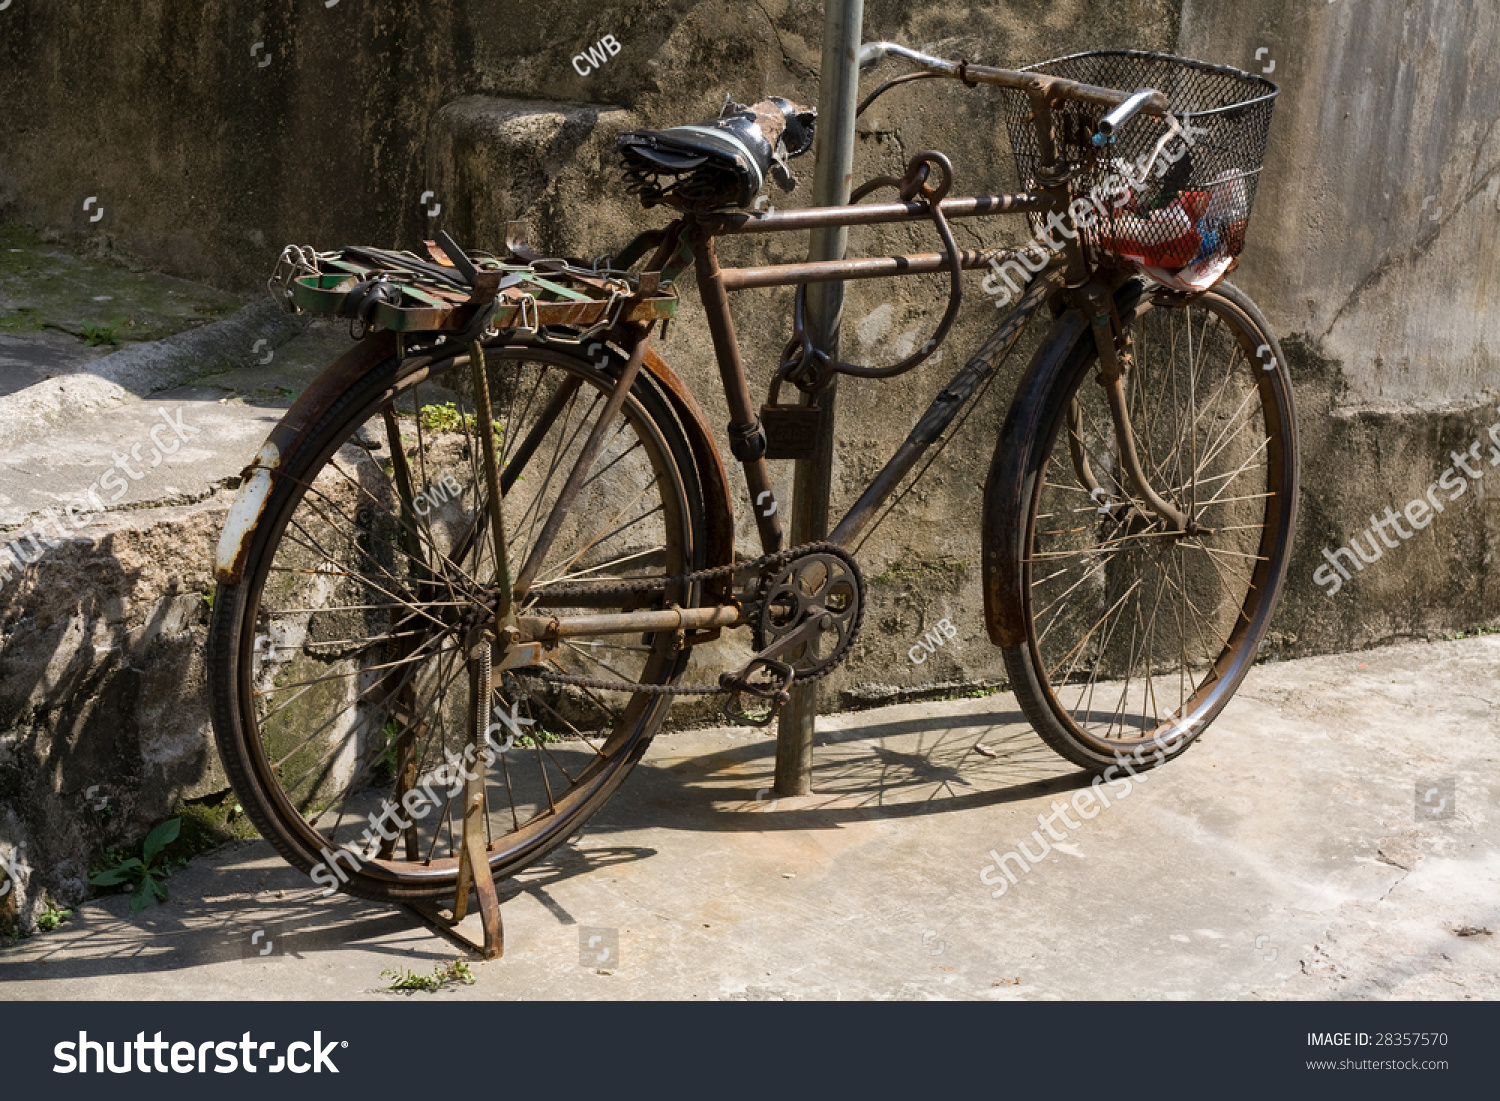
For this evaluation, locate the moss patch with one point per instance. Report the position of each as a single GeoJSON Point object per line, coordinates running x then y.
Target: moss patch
{"type": "Point", "coordinates": [948, 572]}
{"type": "Point", "coordinates": [98, 301]}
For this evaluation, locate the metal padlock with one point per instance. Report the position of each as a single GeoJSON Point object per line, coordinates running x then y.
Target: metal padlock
{"type": "Point", "coordinates": [792, 431]}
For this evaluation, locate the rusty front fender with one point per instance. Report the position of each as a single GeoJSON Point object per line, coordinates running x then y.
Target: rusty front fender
{"type": "Point", "coordinates": [1011, 482]}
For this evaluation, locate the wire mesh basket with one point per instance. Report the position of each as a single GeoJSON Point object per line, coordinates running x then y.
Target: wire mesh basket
{"type": "Point", "coordinates": [1172, 195]}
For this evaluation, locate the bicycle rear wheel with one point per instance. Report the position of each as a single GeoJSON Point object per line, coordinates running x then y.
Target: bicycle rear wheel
{"type": "Point", "coordinates": [339, 685]}
{"type": "Point", "coordinates": [1124, 636]}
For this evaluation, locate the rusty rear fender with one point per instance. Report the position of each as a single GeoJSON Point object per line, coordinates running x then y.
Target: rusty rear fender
{"type": "Point", "coordinates": [711, 474]}
{"type": "Point", "coordinates": [283, 442]}
{"type": "Point", "coordinates": [287, 437]}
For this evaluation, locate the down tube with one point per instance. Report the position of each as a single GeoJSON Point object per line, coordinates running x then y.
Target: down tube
{"type": "Point", "coordinates": [947, 405]}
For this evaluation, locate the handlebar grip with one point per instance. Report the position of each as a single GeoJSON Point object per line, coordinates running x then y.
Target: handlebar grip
{"type": "Point", "coordinates": [1122, 114]}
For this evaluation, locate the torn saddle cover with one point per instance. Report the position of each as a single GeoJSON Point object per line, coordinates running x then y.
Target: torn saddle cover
{"type": "Point", "coordinates": [722, 162]}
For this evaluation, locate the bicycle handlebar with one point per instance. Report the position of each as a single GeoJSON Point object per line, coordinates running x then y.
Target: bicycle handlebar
{"type": "Point", "coordinates": [1121, 115]}
{"type": "Point", "coordinates": [1147, 101]}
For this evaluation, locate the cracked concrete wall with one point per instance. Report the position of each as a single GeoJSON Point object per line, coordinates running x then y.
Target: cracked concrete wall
{"type": "Point", "coordinates": [1373, 252]}
{"type": "Point", "coordinates": [1379, 209]}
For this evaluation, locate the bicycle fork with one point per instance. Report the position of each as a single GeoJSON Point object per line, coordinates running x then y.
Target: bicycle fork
{"type": "Point", "coordinates": [1111, 339]}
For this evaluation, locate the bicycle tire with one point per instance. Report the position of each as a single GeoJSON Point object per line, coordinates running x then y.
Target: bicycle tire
{"type": "Point", "coordinates": [1037, 439]}
{"type": "Point", "coordinates": [232, 659]}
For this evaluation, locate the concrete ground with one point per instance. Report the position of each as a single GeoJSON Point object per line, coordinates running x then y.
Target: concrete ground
{"type": "Point", "coordinates": [1334, 835]}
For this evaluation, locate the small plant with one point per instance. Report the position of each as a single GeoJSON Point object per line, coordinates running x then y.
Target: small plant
{"type": "Point", "coordinates": [408, 982]}
{"type": "Point", "coordinates": [384, 767]}
{"type": "Point", "coordinates": [143, 870]}
{"type": "Point", "coordinates": [445, 417]}
{"type": "Point", "coordinates": [51, 918]}
{"type": "Point", "coordinates": [208, 599]}
{"type": "Point", "coordinates": [96, 335]}
{"type": "Point", "coordinates": [537, 735]}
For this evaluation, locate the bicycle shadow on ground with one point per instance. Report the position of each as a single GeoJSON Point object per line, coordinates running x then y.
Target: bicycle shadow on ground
{"type": "Point", "coordinates": [905, 768]}
{"type": "Point", "coordinates": [242, 903]}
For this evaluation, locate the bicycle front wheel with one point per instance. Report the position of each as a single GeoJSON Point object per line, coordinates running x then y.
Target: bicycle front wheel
{"type": "Point", "coordinates": [342, 664]}
{"type": "Point", "coordinates": [1126, 637]}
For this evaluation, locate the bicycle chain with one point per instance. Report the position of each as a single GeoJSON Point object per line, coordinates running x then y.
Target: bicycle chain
{"type": "Point", "coordinates": [762, 563]}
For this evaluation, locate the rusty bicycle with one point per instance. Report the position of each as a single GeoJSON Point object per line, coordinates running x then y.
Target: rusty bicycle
{"type": "Point", "coordinates": [462, 580]}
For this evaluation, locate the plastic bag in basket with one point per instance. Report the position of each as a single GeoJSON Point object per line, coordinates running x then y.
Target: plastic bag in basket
{"type": "Point", "coordinates": [1190, 242]}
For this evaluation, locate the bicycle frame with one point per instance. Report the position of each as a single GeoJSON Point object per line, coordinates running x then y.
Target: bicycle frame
{"type": "Point", "coordinates": [1069, 273]}
{"type": "Point", "coordinates": [715, 283]}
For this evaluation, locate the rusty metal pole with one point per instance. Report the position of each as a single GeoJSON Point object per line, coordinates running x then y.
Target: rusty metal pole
{"type": "Point", "coordinates": [838, 95]}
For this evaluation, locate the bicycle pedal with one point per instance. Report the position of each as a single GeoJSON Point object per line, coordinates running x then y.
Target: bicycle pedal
{"type": "Point", "coordinates": [739, 684]}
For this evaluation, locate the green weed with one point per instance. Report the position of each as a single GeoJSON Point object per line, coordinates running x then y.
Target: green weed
{"type": "Point", "coordinates": [145, 871]}
{"type": "Point", "coordinates": [403, 981]}
{"type": "Point", "coordinates": [98, 335]}
{"type": "Point", "coordinates": [51, 918]}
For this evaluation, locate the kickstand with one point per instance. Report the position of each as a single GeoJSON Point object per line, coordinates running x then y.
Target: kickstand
{"type": "Point", "coordinates": [473, 857]}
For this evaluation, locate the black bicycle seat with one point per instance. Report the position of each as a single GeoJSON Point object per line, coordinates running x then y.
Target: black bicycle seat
{"type": "Point", "coordinates": [721, 162]}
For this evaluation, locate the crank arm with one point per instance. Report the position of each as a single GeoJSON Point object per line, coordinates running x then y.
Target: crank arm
{"type": "Point", "coordinates": [738, 683]}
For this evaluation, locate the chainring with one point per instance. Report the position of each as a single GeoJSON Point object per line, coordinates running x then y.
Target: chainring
{"type": "Point", "coordinates": [821, 582]}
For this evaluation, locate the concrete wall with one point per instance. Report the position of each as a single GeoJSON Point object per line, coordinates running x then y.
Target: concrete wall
{"type": "Point", "coordinates": [1375, 252]}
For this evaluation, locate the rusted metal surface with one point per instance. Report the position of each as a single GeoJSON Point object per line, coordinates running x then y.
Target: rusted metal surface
{"type": "Point", "coordinates": [1097, 304]}
{"type": "Point", "coordinates": [792, 431]}
{"type": "Point", "coordinates": [552, 628]}
{"type": "Point", "coordinates": [522, 654]}
{"type": "Point", "coordinates": [485, 417]}
{"type": "Point", "coordinates": [736, 388]}
{"type": "Point", "coordinates": [868, 214]}
{"type": "Point", "coordinates": [284, 440]}
{"type": "Point", "coordinates": [431, 307]}
{"type": "Point", "coordinates": [1035, 84]}
{"type": "Point", "coordinates": [870, 267]}
{"type": "Point", "coordinates": [713, 479]}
